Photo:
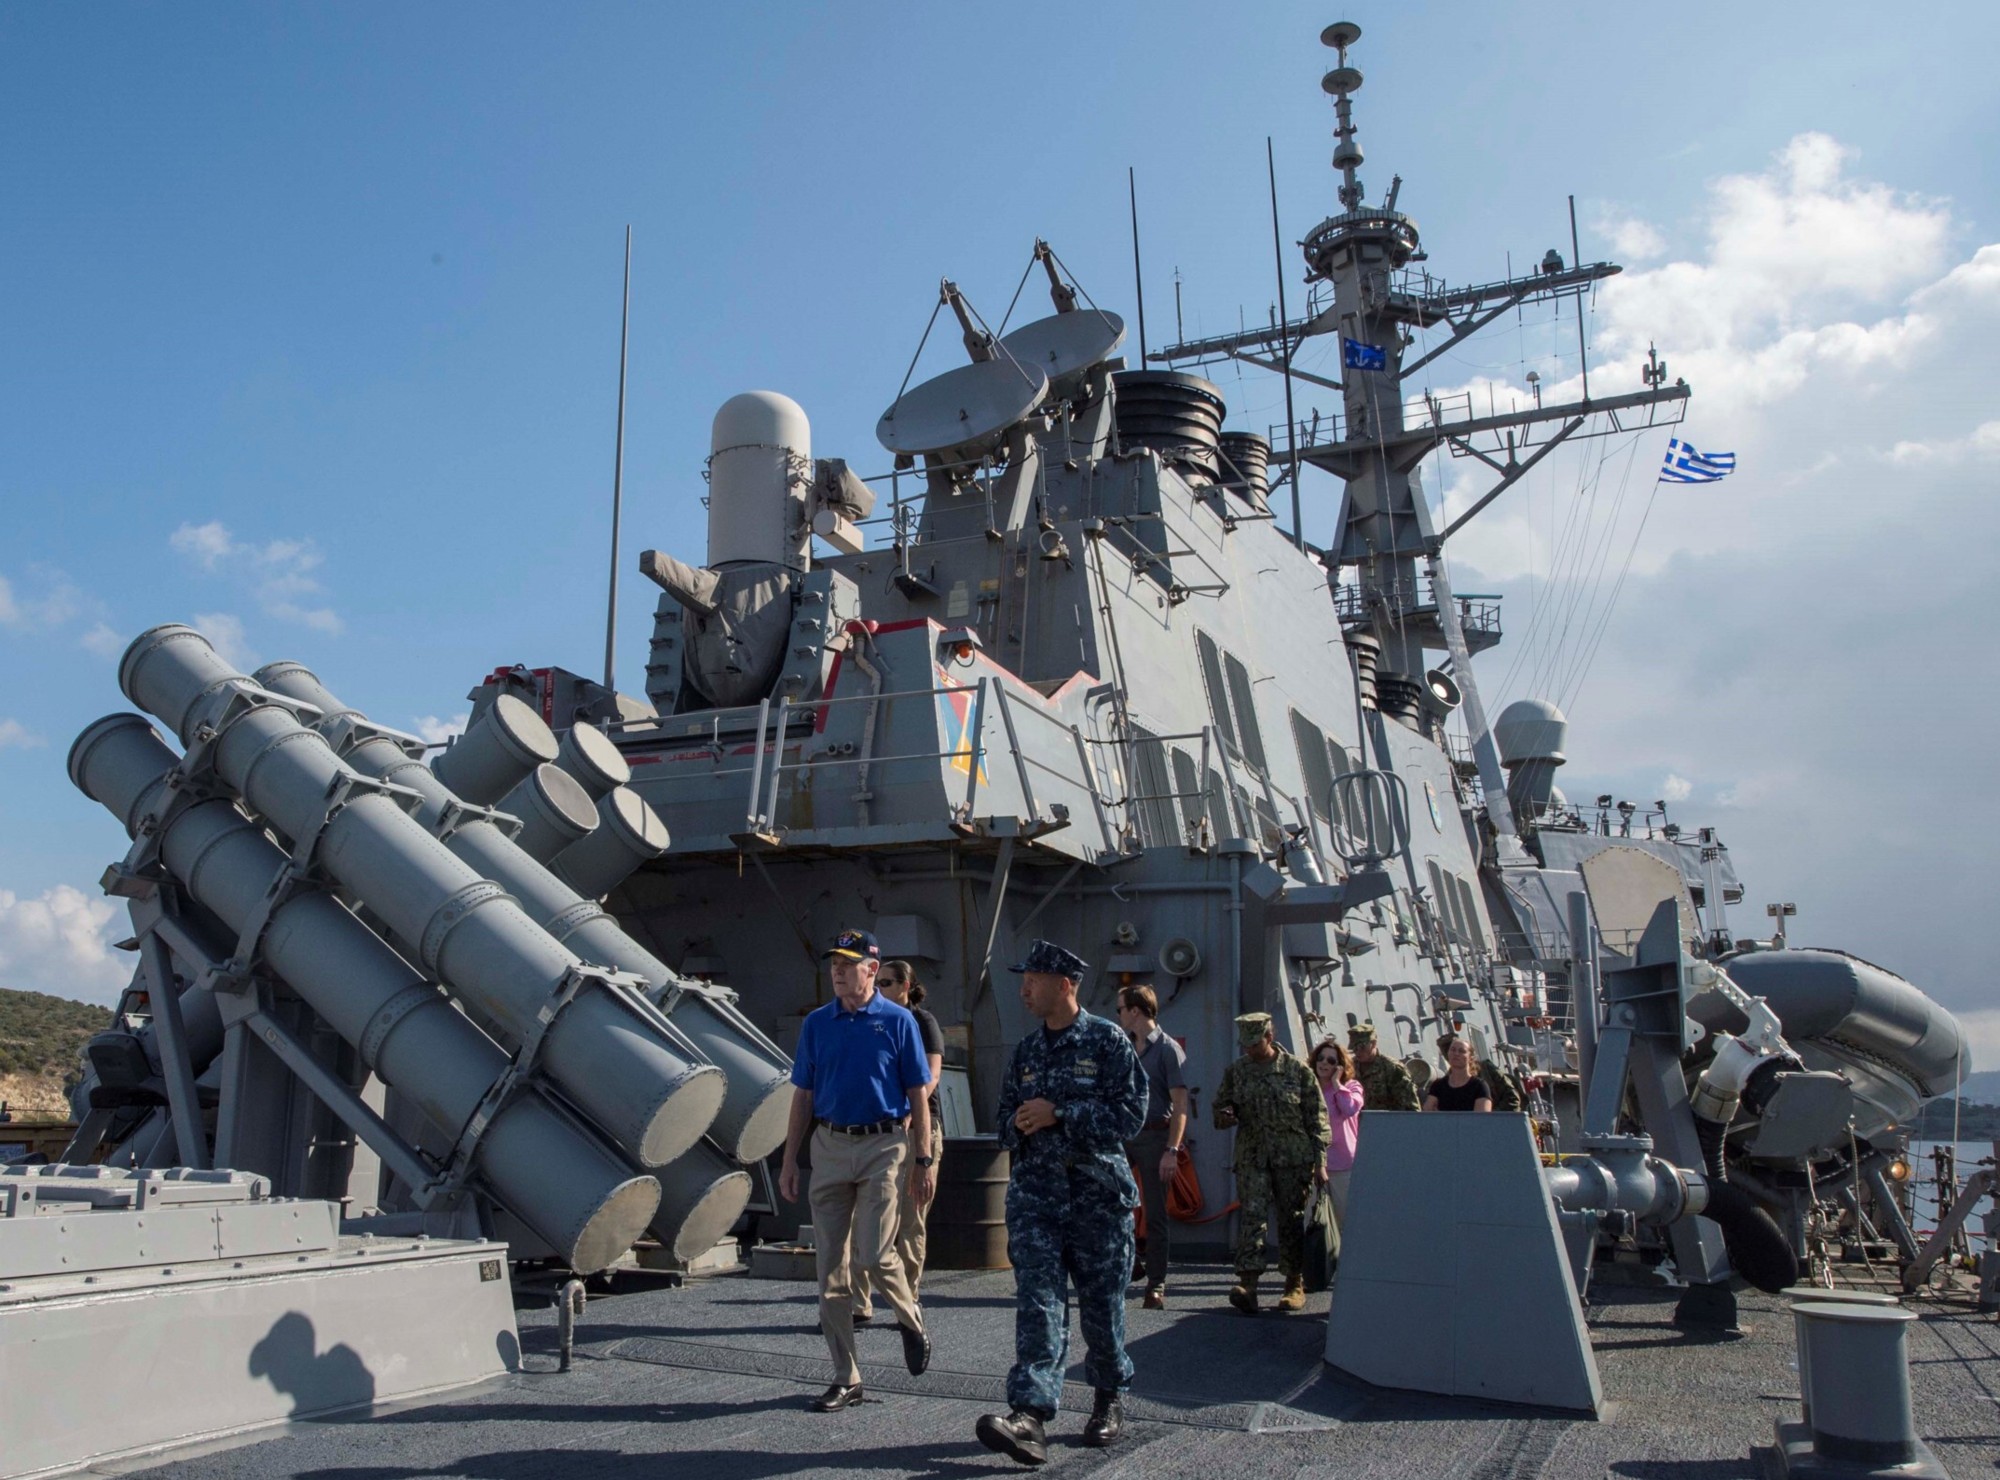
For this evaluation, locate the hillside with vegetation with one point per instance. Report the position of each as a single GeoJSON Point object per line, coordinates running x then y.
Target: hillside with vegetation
{"type": "Point", "coordinates": [1941, 1120]}
{"type": "Point", "coordinates": [41, 1038]}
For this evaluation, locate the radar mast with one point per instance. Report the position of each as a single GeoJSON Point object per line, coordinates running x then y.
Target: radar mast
{"type": "Point", "coordinates": [1359, 263]}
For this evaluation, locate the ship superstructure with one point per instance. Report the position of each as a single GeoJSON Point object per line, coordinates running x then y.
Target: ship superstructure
{"type": "Point", "coordinates": [1061, 669]}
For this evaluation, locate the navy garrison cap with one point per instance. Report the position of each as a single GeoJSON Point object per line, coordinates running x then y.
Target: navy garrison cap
{"type": "Point", "coordinates": [1047, 956]}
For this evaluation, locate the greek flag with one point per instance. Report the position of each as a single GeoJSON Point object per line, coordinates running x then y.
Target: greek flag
{"type": "Point", "coordinates": [1685, 465]}
{"type": "Point", "coordinates": [1358, 356]}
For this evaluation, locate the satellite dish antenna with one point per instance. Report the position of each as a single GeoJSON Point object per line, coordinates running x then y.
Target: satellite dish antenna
{"type": "Point", "coordinates": [1341, 81]}
{"type": "Point", "coordinates": [1065, 346]}
{"type": "Point", "coordinates": [1340, 35]}
{"type": "Point", "coordinates": [963, 414]}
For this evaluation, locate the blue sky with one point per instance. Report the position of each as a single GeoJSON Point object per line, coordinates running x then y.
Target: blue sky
{"type": "Point", "coordinates": [310, 324]}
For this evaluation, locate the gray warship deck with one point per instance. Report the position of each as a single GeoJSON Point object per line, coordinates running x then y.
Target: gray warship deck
{"type": "Point", "coordinates": [711, 1380]}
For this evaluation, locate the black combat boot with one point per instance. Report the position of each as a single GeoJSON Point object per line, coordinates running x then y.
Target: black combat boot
{"type": "Point", "coordinates": [1019, 1436]}
{"type": "Point", "coordinates": [1107, 1421]}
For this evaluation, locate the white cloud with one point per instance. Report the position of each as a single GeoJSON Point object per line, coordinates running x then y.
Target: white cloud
{"type": "Point", "coordinates": [226, 633]}
{"type": "Point", "coordinates": [1981, 442]}
{"type": "Point", "coordinates": [1794, 643]}
{"type": "Point", "coordinates": [278, 574]}
{"type": "Point", "coordinates": [1982, 1030]}
{"type": "Point", "coordinates": [1633, 241]}
{"type": "Point", "coordinates": [49, 600]}
{"type": "Point", "coordinates": [208, 545]}
{"type": "Point", "coordinates": [103, 640]}
{"type": "Point", "coordinates": [14, 733]}
{"type": "Point", "coordinates": [436, 730]}
{"type": "Point", "coordinates": [1676, 788]}
{"type": "Point", "coordinates": [61, 942]}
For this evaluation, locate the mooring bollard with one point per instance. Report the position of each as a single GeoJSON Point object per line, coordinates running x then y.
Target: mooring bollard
{"type": "Point", "coordinates": [1854, 1393]}
{"type": "Point", "coordinates": [1799, 1308]}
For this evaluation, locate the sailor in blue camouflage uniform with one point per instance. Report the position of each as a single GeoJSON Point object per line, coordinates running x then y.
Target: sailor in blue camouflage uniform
{"type": "Point", "coordinates": [1073, 1095]}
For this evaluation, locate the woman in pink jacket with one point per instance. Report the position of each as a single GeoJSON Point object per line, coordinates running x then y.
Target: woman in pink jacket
{"type": "Point", "coordinates": [1343, 1111]}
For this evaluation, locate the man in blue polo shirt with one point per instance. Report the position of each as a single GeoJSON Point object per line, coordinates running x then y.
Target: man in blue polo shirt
{"type": "Point", "coordinates": [860, 1085]}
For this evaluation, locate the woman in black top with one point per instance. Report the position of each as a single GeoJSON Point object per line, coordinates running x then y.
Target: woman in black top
{"type": "Point", "coordinates": [897, 981]}
{"type": "Point", "coordinates": [1460, 1089]}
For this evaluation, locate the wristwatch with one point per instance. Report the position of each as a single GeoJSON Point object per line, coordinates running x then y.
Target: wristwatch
{"type": "Point", "coordinates": [924, 1161]}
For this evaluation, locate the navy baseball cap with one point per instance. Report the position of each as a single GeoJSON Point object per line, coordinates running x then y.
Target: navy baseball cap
{"type": "Point", "coordinates": [853, 945]}
{"type": "Point", "coordinates": [1047, 956]}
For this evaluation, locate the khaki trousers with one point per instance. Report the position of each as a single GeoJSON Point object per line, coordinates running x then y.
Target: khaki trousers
{"type": "Point", "coordinates": [1336, 1183]}
{"type": "Point", "coordinates": [854, 1225]}
{"type": "Point", "coordinates": [912, 1238]}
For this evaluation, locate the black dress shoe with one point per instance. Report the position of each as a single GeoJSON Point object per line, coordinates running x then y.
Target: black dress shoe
{"type": "Point", "coordinates": [916, 1350]}
{"type": "Point", "coordinates": [1107, 1421]}
{"type": "Point", "coordinates": [1019, 1436]}
{"type": "Point", "coordinates": [840, 1395]}
{"type": "Point", "coordinates": [864, 1318]}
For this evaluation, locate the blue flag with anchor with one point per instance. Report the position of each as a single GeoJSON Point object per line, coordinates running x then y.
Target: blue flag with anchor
{"type": "Point", "coordinates": [1685, 465]}
{"type": "Point", "coordinates": [1358, 356]}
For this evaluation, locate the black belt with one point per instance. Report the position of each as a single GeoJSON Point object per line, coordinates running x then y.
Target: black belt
{"type": "Point", "coordinates": [878, 1128]}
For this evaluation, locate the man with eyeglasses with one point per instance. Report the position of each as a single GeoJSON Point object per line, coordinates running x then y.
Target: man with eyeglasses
{"type": "Point", "coordinates": [1156, 1151]}
{"type": "Point", "coordinates": [859, 1082]}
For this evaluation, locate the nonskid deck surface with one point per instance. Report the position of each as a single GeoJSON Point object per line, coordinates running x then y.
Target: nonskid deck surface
{"type": "Point", "coordinates": [710, 1382]}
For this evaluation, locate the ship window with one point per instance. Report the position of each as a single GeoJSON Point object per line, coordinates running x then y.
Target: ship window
{"type": "Point", "coordinates": [1218, 694]}
{"type": "Point", "coordinates": [1454, 898]}
{"type": "Point", "coordinates": [1187, 783]}
{"type": "Point", "coordinates": [1245, 816]}
{"type": "Point", "coordinates": [1248, 735]}
{"type": "Point", "coordinates": [1337, 754]}
{"type": "Point", "coordinates": [1313, 764]}
{"type": "Point", "coordinates": [1267, 824]}
{"type": "Point", "coordinates": [1219, 809]}
{"type": "Point", "coordinates": [1152, 803]}
{"type": "Point", "coordinates": [1468, 904]}
{"type": "Point", "coordinates": [1441, 899]}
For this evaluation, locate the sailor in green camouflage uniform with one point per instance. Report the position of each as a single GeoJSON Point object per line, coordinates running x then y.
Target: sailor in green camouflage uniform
{"type": "Point", "coordinates": [1506, 1089]}
{"type": "Point", "coordinates": [1279, 1112]}
{"type": "Point", "coordinates": [1385, 1084]}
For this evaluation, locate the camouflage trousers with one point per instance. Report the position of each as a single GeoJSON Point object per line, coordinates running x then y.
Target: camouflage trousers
{"type": "Point", "coordinates": [1268, 1194]}
{"type": "Point", "coordinates": [1091, 1248]}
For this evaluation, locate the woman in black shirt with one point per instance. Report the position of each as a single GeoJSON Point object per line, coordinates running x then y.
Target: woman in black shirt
{"type": "Point", "coordinates": [1460, 1089]}
{"type": "Point", "coordinates": [898, 982]}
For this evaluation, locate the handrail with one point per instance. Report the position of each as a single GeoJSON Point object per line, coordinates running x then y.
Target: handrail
{"type": "Point", "coordinates": [751, 819]}
{"type": "Point", "coordinates": [1020, 761]}
{"type": "Point", "coordinates": [976, 747]}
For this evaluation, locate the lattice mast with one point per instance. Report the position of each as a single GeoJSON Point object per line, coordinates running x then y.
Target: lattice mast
{"type": "Point", "coordinates": [1360, 260]}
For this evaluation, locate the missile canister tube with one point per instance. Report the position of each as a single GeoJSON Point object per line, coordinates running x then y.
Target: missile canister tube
{"type": "Point", "coordinates": [554, 810]}
{"type": "Point", "coordinates": [489, 760]}
{"type": "Point", "coordinates": [465, 928]}
{"type": "Point", "coordinates": [701, 1197]}
{"type": "Point", "coordinates": [599, 767]}
{"type": "Point", "coordinates": [628, 833]}
{"type": "Point", "coordinates": [751, 1122]}
{"type": "Point", "coordinates": [570, 1190]}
